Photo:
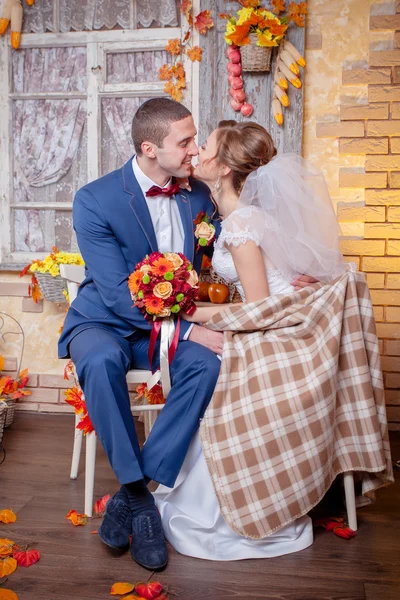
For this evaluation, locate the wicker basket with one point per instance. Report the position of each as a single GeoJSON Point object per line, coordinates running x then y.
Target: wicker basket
{"type": "Point", "coordinates": [211, 276]}
{"type": "Point", "coordinates": [3, 412]}
{"type": "Point", "coordinates": [9, 412]}
{"type": "Point", "coordinates": [255, 58]}
{"type": "Point", "coordinates": [52, 287]}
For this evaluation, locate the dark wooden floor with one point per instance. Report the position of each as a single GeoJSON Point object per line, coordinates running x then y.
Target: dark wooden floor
{"type": "Point", "coordinates": [34, 481]}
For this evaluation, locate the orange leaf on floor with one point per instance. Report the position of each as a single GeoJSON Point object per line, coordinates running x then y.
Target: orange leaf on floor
{"type": "Point", "coordinates": [100, 506]}
{"type": "Point", "coordinates": [26, 558]}
{"type": "Point", "coordinates": [149, 590]}
{"type": "Point", "coordinates": [121, 587]}
{"type": "Point", "coordinates": [6, 549]}
{"type": "Point", "coordinates": [7, 566]}
{"type": "Point", "coordinates": [7, 594]}
{"type": "Point", "coordinates": [76, 519]}
{"type": "Point", "coordinates": [94, 532]}
{"type": "Point", "coordinates": [7, 516]}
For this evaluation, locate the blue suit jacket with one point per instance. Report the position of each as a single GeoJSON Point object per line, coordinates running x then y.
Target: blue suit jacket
{"type": "Point", "coordinates": [114, 232]}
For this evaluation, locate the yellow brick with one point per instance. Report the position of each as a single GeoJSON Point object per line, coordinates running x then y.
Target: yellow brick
{"type": "Point", "coordinates": [396, 75]}
{"type": "Point", "coordinates": [386, 298]}
{"type": "Point", "coordinates": [362, 180]}
{"type": "Point", "coordinates": [390, 363]}
{"type": "Point", "coordinates": [397, 39]}
{"type": "Point", "coordinates": [358, 76]}
{"type": "Point", "coordinates": [395, 179]}
{"type": "Point", "coordinates": [392, 380]}
{"type": "Point", "coordinates": [380, 345]}
{"type": "Point", "coordinates": [378, 314]}
{"type": "Point", "coordinates": [353, 259]}
{"type": "Point", "coordinates": [394, 214]}
{"type": "Point", "coordinates": [395, 111]}
{"type": "Point", "coordinates": [394, 145]}
{"type": "Point", "coordinates": [384, 22]}
{"type": "Point", "coordinates": [384, 230]}
{"type": "Point", "coordinates": [363, 247]}
{"type": "Point", "coordinates": [393, 281]}
{"type": "Point", "coordinates": [393, 413]}
{"type": "Point", "coordinates": [392, 348]}
{"type": "Point", "coordinates": [389, 197]}
{"type": "Point", "coordinates": [368, 111]}
{"type": "Point", "coordinates": [393, 397]}
{"type": "Point", "coordinates": [364, 146]}
{"type": "Point", "coordinates": [387, 330]}
{"type": "Point", "coordinates": [375, 280]}
{"type": "Point", "coordinates": [393, 247]}
{"type": "Point", "coordinates": [385, 93]}
{"type": "Point", "coordinates": [382, 163]}
{"type": "Point", "coordinates": [380, 128]}
{"type": "Point", "coordinates": [346, 129]}
{"type": "Point", "coordinates": [386, 264]}
{"type": "Point", "coordinates": [372, 214]}
{"type": "Point", "coordinates": [393, 315]}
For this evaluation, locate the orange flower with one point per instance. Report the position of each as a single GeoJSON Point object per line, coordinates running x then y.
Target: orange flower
{"type": "Point", "coordinates": [162, 266]}
{"type": "Point", "coordinates": [165, 73]}
{"type": "Point", "coordinates": [173, 46]}
{"type": "Point", "coordinates": [154, 305]}
{"type": "Point", "coordinates": [278, 6]}
{"type": "Point", "coordinates": [194, 53]}
{"type": "Point", "coordinates": [134, 281]}
{"type": "Point", "coordinates": [203, 22]}
{"type": "Point", "coordinates": [240, 35]}
{"type": "Point", "coordinates": [278, 29]}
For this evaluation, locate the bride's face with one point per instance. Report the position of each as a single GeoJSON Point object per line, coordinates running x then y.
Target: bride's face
{"type": "Point", "coordinates": [207, 168]}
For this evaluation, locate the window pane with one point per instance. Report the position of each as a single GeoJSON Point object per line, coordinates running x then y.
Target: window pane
{"type": "Point", "coordinates": [40, 230]}
{"type": "Point", "coordinates": [132, 67]}
{"type": "Point", "coordinates": [77, 15]}
{"type": "Point", "coordinates": [49, 69]}
{"type": "Point", "coordinates": [116, 124]}
{"type": "Point", "coordinates": [39, 18]}
{"type": "Point", "coordinates": [158, 13]}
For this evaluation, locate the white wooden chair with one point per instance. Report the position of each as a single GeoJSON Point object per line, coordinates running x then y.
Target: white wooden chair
{"type": "Point", "coordinates": [74, 275]}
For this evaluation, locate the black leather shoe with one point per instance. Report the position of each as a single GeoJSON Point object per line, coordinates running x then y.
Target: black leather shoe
{"type": "Point", "coordinates": [116, 526]}
{"type": "Point", "coordinates": [148, 546]}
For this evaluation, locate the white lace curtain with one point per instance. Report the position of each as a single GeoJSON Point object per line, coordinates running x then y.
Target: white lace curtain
{"type": "Point", "coordinates": [77, 15]}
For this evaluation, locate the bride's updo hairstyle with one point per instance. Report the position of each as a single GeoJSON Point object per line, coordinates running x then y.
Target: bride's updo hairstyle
{"type": "Point", "coordinates": [243, 147]}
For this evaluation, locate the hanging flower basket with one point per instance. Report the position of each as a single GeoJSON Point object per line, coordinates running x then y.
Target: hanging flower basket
{"type": "Point", "coordinates": [52, 288]}
{"type": "Point", "coordinates": [256, 58]}
{"type": "Point", "coordinates": [8, 408]}
{"type": "Point", "coordinates": [3, 411]}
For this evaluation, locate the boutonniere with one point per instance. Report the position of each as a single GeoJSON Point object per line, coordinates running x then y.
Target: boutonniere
{"type": "Point", "coordinates": [204, 231]}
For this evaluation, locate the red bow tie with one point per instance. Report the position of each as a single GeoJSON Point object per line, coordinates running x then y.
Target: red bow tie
{"type": "Point", "coordinates": [167, 191]}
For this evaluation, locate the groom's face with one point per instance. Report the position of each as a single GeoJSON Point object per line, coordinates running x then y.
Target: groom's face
{"type": "Point", "coordinates": [179, 148]}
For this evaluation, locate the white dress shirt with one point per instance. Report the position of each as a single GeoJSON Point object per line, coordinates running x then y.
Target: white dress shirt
{"type": "Point", "coordinates": [165, 216]}
{"type": "Point", "coordinates": [164, 213]}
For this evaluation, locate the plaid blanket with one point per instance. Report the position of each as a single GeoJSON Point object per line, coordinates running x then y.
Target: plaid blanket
{"type": "Point", "coordinates": [299, 400]}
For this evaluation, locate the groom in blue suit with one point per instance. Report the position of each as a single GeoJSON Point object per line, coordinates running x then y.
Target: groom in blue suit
{"type": "Point", "coordinates": [118, 219]}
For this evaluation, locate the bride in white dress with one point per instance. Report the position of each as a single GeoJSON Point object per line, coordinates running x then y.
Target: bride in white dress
{"type": "Point", "coordinates": [254, 251]}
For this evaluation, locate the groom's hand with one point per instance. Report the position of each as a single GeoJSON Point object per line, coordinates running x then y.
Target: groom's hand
{"type": "Point", "coordinates": [212, 340]}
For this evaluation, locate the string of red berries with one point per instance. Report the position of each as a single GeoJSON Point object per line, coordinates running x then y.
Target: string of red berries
{"type": "Point", "coordinates": [238, 102]}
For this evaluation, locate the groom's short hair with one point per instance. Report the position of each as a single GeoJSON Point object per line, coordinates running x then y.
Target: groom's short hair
{"type": "Point", "coordinates": [152, 121]}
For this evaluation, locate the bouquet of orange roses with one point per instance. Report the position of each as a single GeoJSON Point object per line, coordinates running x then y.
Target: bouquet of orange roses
{"type": "Point", "coordinates": [163, 285]}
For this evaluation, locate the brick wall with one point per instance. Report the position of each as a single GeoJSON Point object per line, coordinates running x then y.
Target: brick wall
{"type": "Point", "coordinates": [370, 128]}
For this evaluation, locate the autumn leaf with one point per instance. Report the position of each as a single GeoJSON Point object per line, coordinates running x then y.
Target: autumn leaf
{"type": "Point", "coordinates": [74, 398]}
{"type": "Point", "coordinates": [6, 547]}
{"type": "Point", "coordinates": [68, 369]}
{"type": "Point", "coordinates": [2, 362]}
{"type": "Point", "coordinates": [278, 6]}
{"type": "Point", "coordinates": [250, 3]}
{"type": "Point", "coordinates": [94, 532]}
{"type": "Point", "coordinates": [7, 594]}
{"type": "Point", "coordinates": [203, 22]}
{"type": "Point", "coordinates": [194, 53]}
{"type": "Point", "coordinates": [85, 424]}
{"type": "Point", "coordinates": [149, 591]}
{"type": "Point", "coordinates": [240, 35]}
{"type": "Point", "coordinates": [7, 566]}
{"type": "Point", "coordinates": [76, 518]}
{"type": "Point", "coordinates": [7, 516]}
{"type": "Point", "coordinates": [173, 47]}
{"type": "Point", "coordinates": [186, 8]}
{"type": "Point", "coordinates": [26, 558]}
{"type": "Point", "coordinates": [173, 91]}
{"type": "Point", "coordinates": [119, 588]}
{"type": "Point", "coordinates": [100, 506]}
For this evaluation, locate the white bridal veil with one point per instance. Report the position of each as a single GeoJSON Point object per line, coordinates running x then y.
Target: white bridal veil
{"type": "Point", "coordinates": [297, 224]}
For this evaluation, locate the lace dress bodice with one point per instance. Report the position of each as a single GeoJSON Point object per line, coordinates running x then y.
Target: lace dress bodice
{"type": "Point", "coordinates": [238, 228]}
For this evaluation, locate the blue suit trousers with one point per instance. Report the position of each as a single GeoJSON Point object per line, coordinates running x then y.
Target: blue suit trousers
{"type": "Point", "coordinates": [102, 358]}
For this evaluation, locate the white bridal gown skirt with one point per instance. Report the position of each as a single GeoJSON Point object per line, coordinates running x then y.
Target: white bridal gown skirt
{"type": "Point", "coordinates": [193, 523]}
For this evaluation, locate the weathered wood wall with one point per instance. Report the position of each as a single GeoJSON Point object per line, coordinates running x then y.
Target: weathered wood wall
{"type": "Point", "coordinates": [214, 95]}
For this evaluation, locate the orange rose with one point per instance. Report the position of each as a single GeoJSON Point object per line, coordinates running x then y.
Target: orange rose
{"type": "Point", "coordinates": [204, 230]}
{"type": "Point", "coordinates": [174, 258]}
{"type": "Point", "coordinates": [165, 312]}
{"type": "Point", "coordinates": [162, 290]}
{"type": "Point", "coordinates": [193, 278]}
{"type": "Point", "coordinates": [145, 268]}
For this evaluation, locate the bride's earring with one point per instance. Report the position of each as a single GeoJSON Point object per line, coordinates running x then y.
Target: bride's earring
{"type": "Point", "coordinates": [217, 186]}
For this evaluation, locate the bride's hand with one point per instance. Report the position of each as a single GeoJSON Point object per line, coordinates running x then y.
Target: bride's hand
{"type": "Point", "coordinates": [184, 184]}
{"type": "Point", "coordinates": [190, 318]}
